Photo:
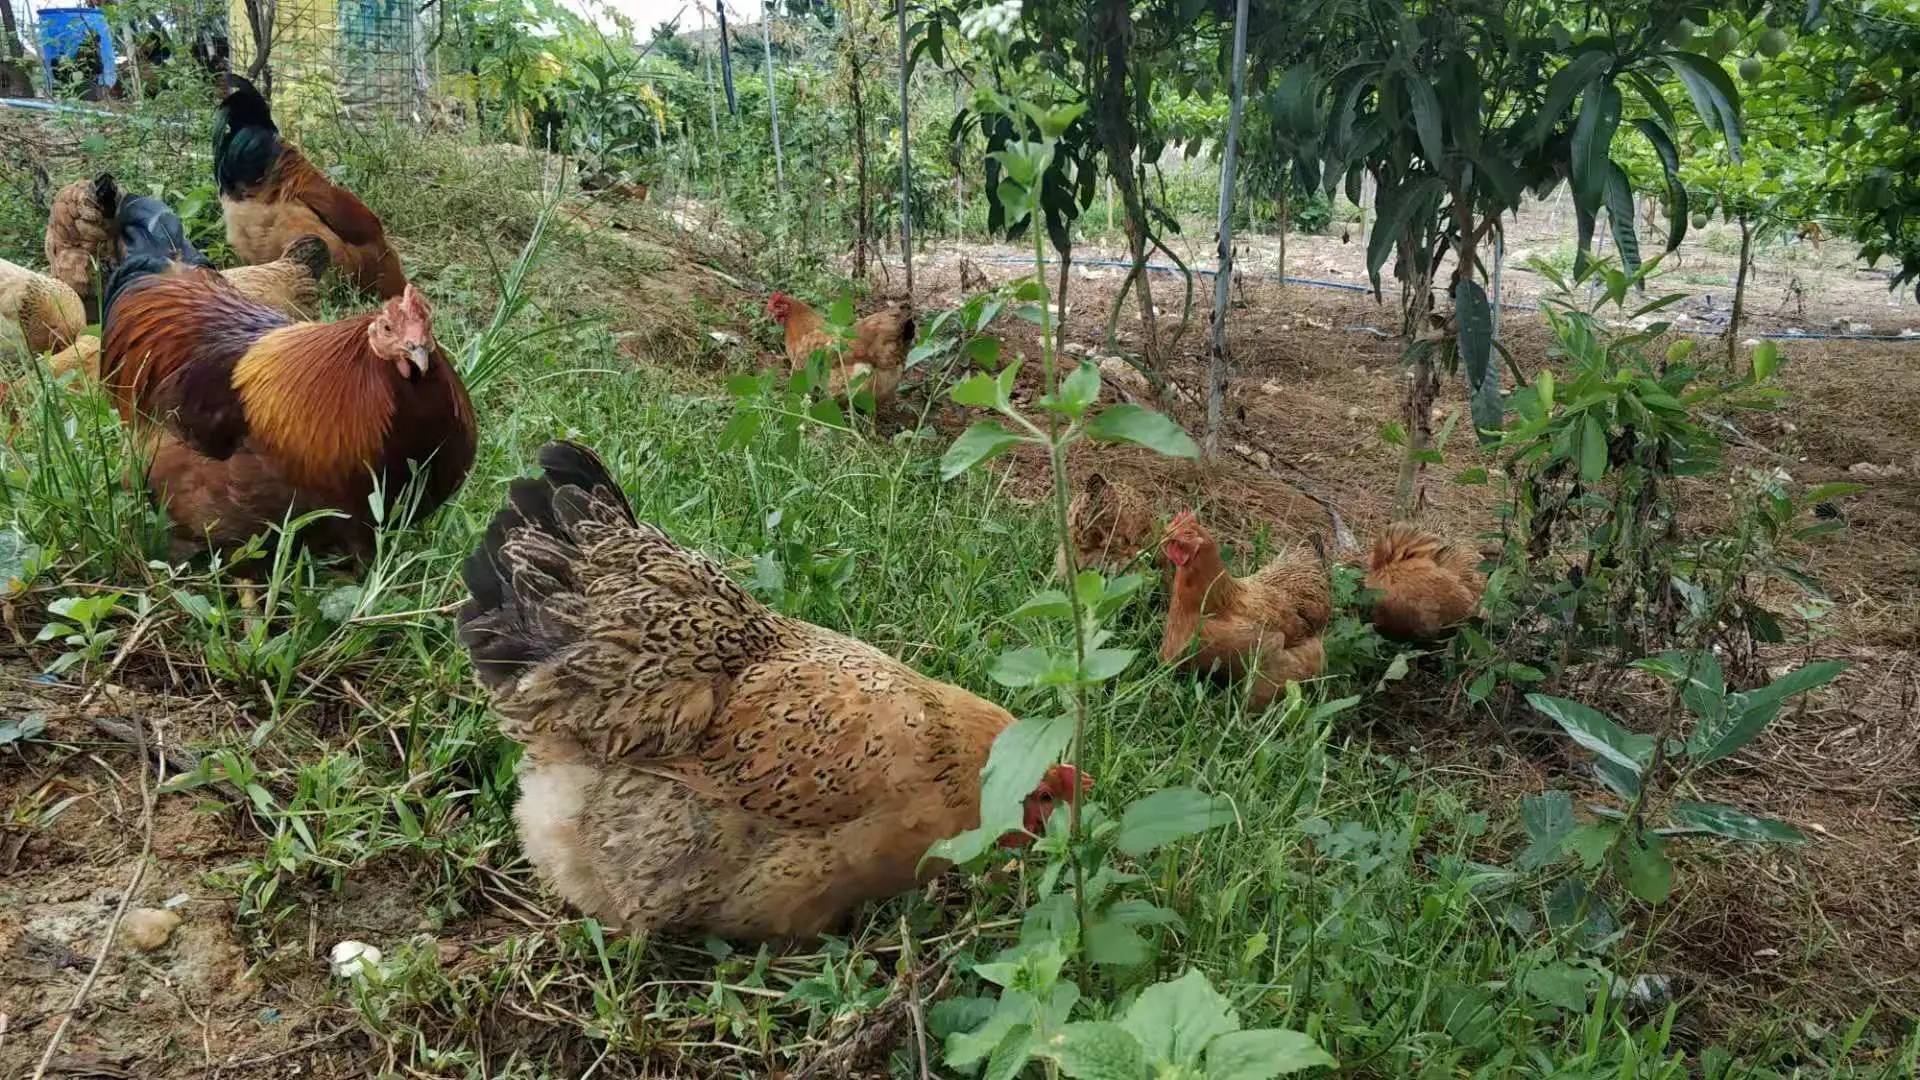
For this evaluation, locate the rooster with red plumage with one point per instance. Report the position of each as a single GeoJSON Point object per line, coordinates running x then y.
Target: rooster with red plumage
{"type": "Point", "coordinates": [248, 416]}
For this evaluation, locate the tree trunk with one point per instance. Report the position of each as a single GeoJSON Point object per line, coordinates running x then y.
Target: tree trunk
{"type": "Point", "coordinates": [1286, 224]}
{"type": "Point", "coordinates": [773, 102]}
{"type": "Point", "coordinates": [906, 161]}
{"type": "Point", "coordinates": [1112, 108]}
{"type": "Point", "coordinates": [862, 215]}
{"type": "Point", "coordinates": [1223, 269]}
{"type": "Point", "coordinates": [1060, 298]}
{"type": "Point", "coordinates": [1739, 291]}
{"type": "Point", "coordinates": [9, 49]}
{"type": "Point", "coordinates": [726, 58]}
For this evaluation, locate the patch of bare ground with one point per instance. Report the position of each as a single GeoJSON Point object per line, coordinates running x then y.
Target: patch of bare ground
{"type": "Point", "coordinates": [1821, 931]}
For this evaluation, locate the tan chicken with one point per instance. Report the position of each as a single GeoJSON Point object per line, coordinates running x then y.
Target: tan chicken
{"type": "Point", "coordinates": [695, 761]}
{"type": "Point", "coordinates": [1265, 627]}
{"type": "Point", "coordinates": [80, 235]}
{"type": "Point", "coordinates": [47, 311]}
{"type": "Point", "coordinates": [878, 350]}
{"type": "Point", "coordinates": [289, 284]}
{"type": "Point", "coordinates": [1426, 586]}
{"type": "Point", "coordinates": [1109, 524]}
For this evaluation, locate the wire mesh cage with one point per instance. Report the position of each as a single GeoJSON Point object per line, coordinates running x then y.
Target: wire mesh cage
{"type": "Point", "coordinates": [329, 55]}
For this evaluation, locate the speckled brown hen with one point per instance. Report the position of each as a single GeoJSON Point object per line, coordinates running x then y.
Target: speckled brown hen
{"type": "Point", "coordinates": [1266, 626]}
{"type": "Point", "coordinates": [694, 761]}
{"type": "Point", "coordinates": [1426, 585]}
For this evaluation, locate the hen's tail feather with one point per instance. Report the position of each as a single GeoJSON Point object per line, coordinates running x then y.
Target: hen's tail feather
{"type": "Point", "coordinates": [1403, 542]}
{"type": "Point", "coordinates": [510, 624]}
{"type": "Point", "coordinates": [106, 194]}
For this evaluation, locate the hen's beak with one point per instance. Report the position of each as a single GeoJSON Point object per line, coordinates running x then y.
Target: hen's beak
{"type": "Point", "coordinates": [416, 364]}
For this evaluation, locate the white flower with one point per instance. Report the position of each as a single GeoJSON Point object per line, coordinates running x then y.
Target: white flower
{"type": "Point", "coordinates": [995, 20]}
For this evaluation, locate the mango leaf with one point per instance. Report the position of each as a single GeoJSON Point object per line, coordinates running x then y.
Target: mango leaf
{"type": "Point", "coordinates": [1426, 117]}
{"type": "Point", "coordinates": [1714, 96]}
{"type": "Point", "coordinates": [1581, 71]}
{"type": "Point", "coordinates": [1017, 760]}
{"type": "Point", "coordinates": [1142, 427]}
{"type": "Point", "coordinates": [1619, 195]}
{"type": "Point", "coordinates": [1733, 824]}
{"type": "Point", "coordinates": [1588, 727]}
{"type": "Point", "coordinates": [1174, 1021]}
{"type": "Point", "coordinates": [1593, 450]}
{"type": "Point", "coordinates": [1103, 1051]}
{"type": "Point", "coordinates": [1710, 744]}
{"type": "Point", "coordinates": [1396, 207]}
{"type": "Point", "coordinates": [1476, 350]}
{"type": "Point", "coordinates": [1670, 164]}
{"type": "Point", "coordinates": [1167, 815]}
{"type": "Point", "coordinates": [1592, 140]}
{"type": "Point", "coordinates": [1263, 1054]}
{"type": "Point", "coordinates": [980, 442]}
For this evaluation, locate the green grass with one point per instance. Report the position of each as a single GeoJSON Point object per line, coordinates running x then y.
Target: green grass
{"type": "Point", "coordinates": [1356, 897]}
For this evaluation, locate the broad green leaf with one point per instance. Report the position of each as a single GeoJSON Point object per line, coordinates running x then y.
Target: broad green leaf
{"type": "Point", "coordinates": [1104, 664]}
{"type": "Point", "coordinates": [982, 441]}
{"type": "Point", "coordinates": [1031, 666]}
{"type": "Point", "coordinates": [1047, 604]}
{"type": "Point", "coordinates": [1589, 842]}
{"type": "Point", "coordinates": [1476, 350]}
{"type": "Point", "coordinates": [1580, 72]}
{"type": "Point", "coordinates": [1103, 1051]}
{"type": "Point", "coordinates": [1670, 165]}
{"type": "Point", "coordinates": [1593, 450]}
{"type": "Point", "coordinates": [1079, 390]}
{"type": "Point", "coordinates": [1142, 427]}
{"type": "Point", "coordinates": [1112, 943]}
{"type": "Point", "coordinates": [1010, 1057]}
{"type": "Point", "coordinates": [1741, 728]}
{"type": "Point", "coordinates": [840, 312]}
{"type": "Point", "coordinates": [1262, 1054]}
{"type": "Point", "coordinates": [1588, 727]}
{"type": "Point", "coordinates": [984, 351]}
{"type": "Point", "coordinates": [1798, 681]}
{"type": "Point", "coordinates": [1017, 760]}
{"type": "Point", "coordinates": [1561, 984]}
{"type": "Point", "coordinates": [1619, 196]}
{"type": "Point", "coordinates": [1732, 823]}
{"type": "Point", "coordinates": [1167, 815]}
{"type": "Point", "coordinates": [1174, 1021]}
{"type": "Point", "coordinates": [980, 391]}
{"type": "Point", "coordinates": [1592, 141]}
{"type": "Point", "coordinates": [1642, 865]}
{"type": "Point", "coordinates": [1548, 819]}
{"type": "Point", "coordinates": [1714, 96]}
{"type": "Point", "coordinates": [1426, 118]}
{"type": "Point", "coordinates": [1396, 207]}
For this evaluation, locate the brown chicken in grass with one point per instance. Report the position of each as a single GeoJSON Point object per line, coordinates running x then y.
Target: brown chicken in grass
{"type": "Point", "coordinates": [1109, 524]}
{"type": "Point", "coordinates": [1426, 586]}
{"type": "Point", "coordinates": [80, 236]}
{"type": "Point", "coordinates": [878, 350]}
{"type": "Point", "coordinates": [49, 313]}
{"type": "Point", "coordinates": [694, 761]}
{"type": "Point", "coordinates": [272, 196]}
{"type": "Point", "coordinates": [248, 416]}
{"type": "Point", "coordinates": [1265, 627]}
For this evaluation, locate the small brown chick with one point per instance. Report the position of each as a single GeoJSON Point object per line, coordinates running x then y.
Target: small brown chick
{"type": "Point", "coordinates": [81, 241]}
{"type": "Point", "coordinates": [1426, 585]}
